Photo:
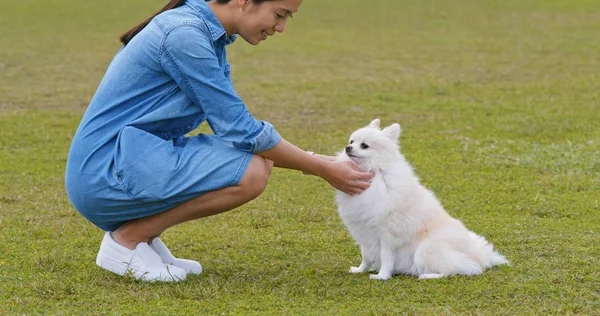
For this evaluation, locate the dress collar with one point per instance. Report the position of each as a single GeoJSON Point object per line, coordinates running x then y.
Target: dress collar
{"type": "Point", "coordinates": [216, 29]}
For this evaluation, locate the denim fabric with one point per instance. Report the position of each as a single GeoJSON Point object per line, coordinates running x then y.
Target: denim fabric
{"type": "Point", "coordinates": [130, 157]}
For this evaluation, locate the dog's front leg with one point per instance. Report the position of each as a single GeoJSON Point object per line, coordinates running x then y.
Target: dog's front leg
{"type": "Point", "coordinates": [368, 257]}
{"type": "Point", "coordinates": [386, 256]}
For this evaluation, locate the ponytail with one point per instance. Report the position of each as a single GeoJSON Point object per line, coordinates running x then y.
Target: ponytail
{"type": "Point", "coordinates": [127, 36]}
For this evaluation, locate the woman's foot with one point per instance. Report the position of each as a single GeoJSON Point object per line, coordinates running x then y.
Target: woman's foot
{"type": "Point", "coordinates": [190, 266]}
{"type": "Point", "coordinates": [143, 262]}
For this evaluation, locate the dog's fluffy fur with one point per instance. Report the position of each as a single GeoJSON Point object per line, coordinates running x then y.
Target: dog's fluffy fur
{"type": "Point", "coordinates": [400, 225]}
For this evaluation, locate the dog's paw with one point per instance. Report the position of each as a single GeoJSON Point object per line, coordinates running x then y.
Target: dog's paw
{"type": "Point", "coordinates": [379, 277]}
{"type": "Point", "coordinates": [356, 270]}
{"type": "Point", "coordinates": [431, 276]}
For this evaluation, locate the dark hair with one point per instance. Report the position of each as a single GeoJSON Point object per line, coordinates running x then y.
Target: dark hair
{"type": "Point", "coordinates": [127, 36]}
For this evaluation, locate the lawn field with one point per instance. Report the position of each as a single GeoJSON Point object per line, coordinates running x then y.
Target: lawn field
{"type": "Point", "coordinates": [498, 102]}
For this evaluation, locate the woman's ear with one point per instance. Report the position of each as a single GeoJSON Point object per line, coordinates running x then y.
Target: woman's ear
{"type": "Point", "coordinates": [243, 3]}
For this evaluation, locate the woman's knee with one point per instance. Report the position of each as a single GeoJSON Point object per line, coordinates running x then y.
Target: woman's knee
{"type": "Point", "coordinates": [256, 177]}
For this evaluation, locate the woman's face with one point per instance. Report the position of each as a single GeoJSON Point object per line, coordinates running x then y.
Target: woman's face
{"type": "Point", "coordinates": [259, 21]}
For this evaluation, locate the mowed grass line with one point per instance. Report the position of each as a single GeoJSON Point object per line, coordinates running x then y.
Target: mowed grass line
{"type": "Point", "coordinates": [498, 103]}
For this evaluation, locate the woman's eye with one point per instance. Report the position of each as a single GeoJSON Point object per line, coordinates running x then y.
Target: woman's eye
{"type": "Point", "coordinates": [279, 16]}
{"type": "Point", "coordinates": [364, 146]}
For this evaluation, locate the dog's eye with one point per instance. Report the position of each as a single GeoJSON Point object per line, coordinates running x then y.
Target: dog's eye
{"type": "Point", "coordinates": [351, 141]}
{"type": "Point", "coordinates": [364, 146]}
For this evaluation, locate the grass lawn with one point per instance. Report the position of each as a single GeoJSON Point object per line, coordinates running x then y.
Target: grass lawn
{"type": "Point", "coordinates": [498, 101]}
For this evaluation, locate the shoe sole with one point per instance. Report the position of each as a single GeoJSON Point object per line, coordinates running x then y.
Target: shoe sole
{"type": "Point", "coordinates": [122, 268]}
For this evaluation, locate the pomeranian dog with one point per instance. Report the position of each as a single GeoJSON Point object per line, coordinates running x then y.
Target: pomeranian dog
{"type": "Point", "coordinates": [400, 225]}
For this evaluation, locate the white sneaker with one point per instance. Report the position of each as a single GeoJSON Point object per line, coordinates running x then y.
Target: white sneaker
{"type": "Point", "coordinates": [190, 266]}
{"type": "Point", "coordinates": [143, 263]}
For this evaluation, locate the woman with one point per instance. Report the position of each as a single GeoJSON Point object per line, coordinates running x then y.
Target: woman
{"type": "Point", "coordinates": [133, 173]}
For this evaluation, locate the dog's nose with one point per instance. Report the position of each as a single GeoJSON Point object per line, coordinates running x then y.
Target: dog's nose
{"type": "Point", "coordinates": [348, 149]}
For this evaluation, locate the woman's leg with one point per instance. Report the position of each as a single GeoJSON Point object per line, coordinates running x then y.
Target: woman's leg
{"type": "Point", "coordinates": [145, 229]}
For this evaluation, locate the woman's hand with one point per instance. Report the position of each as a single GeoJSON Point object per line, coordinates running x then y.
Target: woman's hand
{"type": "Point", "coordinates": [346, 177]}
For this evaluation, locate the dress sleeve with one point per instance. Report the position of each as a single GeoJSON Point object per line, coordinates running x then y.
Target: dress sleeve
{"type": "Point", "coordinates": [188, 56]}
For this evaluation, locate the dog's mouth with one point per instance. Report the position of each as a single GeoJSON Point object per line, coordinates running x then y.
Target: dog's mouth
{"type": "Point", "coordinates": [351, 155]}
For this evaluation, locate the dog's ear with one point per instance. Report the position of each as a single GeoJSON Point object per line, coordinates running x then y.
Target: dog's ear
{"type": "Point", "coordinates": [374, 123]}
{"type": "Point", "coordinates": [392, 131]}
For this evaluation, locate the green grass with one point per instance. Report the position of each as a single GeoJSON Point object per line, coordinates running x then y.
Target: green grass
{"type": "Point", "coordinates": [498, 101]}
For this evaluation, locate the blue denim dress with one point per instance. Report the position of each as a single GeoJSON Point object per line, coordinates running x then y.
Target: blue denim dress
{"type": "Point", "coordinates": [130, 157]}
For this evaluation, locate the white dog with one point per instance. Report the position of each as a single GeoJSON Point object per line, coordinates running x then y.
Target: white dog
{"type": "Point", "coordinates": [400, 225]}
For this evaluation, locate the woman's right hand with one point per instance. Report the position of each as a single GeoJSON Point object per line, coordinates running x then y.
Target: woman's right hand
{"type": "Point", "coordinates": [348, 178]}
{"type": "Point", "coordinates": [344, 176]}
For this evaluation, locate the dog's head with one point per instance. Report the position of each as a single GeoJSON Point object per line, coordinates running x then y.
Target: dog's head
{"type": "Point", "coordinates": [371, 147]}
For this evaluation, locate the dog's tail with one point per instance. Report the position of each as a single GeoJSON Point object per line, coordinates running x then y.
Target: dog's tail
{"type": "Point", "coordinates": [497, 258]}
{"type": "Point", "coordinates": [492, 257]}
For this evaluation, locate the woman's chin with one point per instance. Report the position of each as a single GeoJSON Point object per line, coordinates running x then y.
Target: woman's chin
{"type": "Point", "coordinates": [252, 40]}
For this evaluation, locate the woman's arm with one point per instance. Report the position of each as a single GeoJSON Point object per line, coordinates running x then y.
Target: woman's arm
{"type": "Point", "coordinates": [344, 176]}
{"type": "Point", "coordinates": [328, 158]}
{"type": "Point", "coordinates": [188, 55]}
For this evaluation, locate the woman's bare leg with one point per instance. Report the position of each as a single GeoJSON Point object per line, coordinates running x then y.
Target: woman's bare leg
{"type": "Point", "coordinates": [145, 229]}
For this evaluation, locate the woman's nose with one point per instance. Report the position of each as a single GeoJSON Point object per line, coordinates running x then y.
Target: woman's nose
{"type": "Point", "coordinates": [280, 26]}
